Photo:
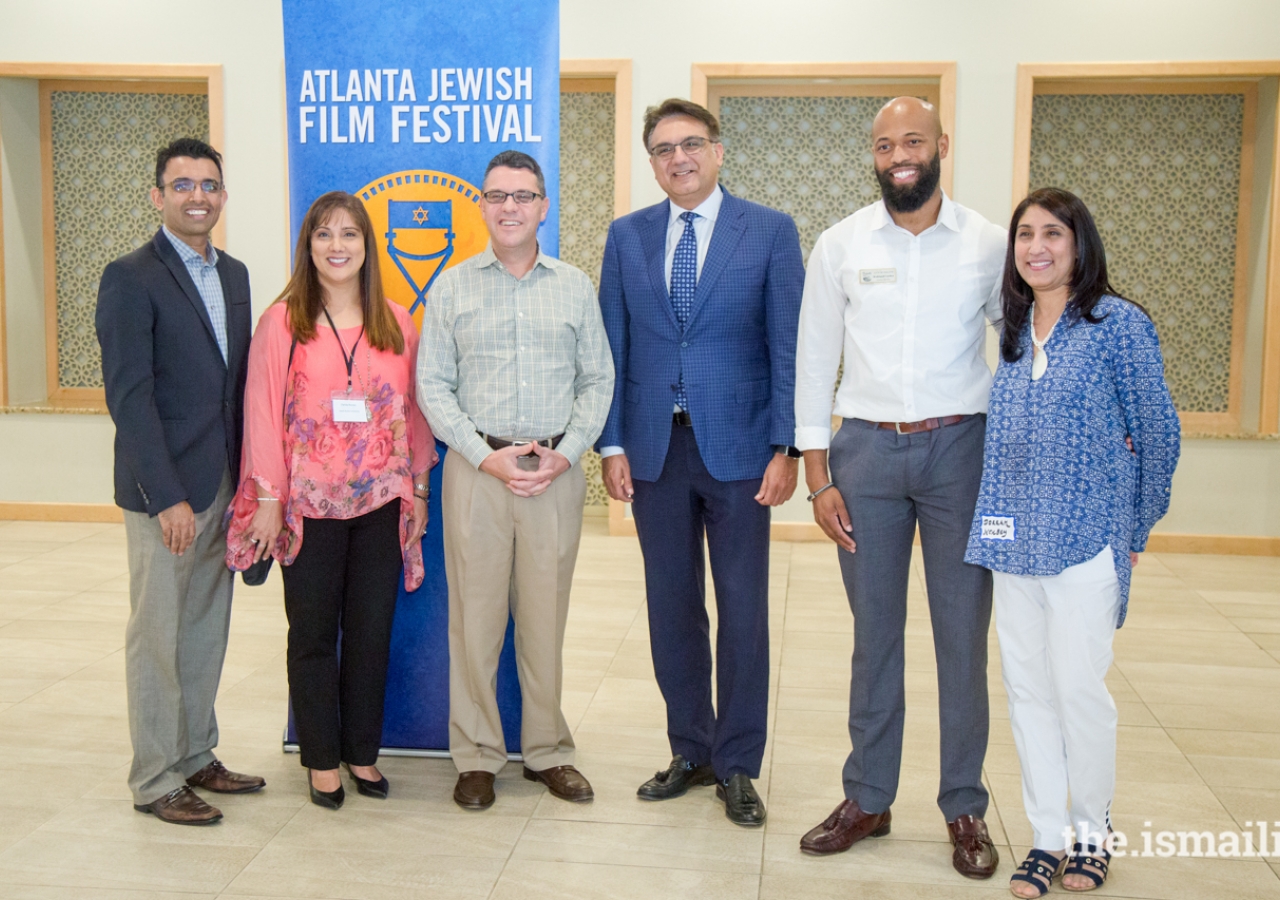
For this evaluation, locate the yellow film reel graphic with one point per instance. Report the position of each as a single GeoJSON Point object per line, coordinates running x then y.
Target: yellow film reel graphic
{"type": "Point", "coordinates": [426, 222]}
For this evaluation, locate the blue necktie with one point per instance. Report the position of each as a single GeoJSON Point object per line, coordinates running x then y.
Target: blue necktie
{"type": "Point", "coordinates": [684, 279]}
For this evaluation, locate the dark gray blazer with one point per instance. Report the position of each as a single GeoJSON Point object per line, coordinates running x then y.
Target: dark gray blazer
{"type": "Point", "coordinates": [177, 406]}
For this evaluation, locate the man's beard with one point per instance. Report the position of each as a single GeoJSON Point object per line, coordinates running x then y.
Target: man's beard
{"type": "Point", "coordinates": [909, 198]}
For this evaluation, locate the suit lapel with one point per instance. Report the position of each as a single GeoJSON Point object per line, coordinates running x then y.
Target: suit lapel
{"type": "Point", "coordinates": [178, 269]}
{"type": "Point", "coordinates": [653, 241]}
{"type": "Point", "coordinates": [724, 241]}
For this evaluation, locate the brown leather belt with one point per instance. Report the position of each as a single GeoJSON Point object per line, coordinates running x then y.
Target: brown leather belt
{"type": "Point", "coordinates": [498, 443]}
{"type": "Point", "coordinates": [923, 425]}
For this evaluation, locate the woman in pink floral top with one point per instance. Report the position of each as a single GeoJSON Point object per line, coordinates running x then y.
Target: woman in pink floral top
{"type": "Point", "coordinates": [335, 488]}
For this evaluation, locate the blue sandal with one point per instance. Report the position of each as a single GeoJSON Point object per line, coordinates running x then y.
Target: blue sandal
{"type": "Point", "coordinates": [1089, 862]}
{"type": "Point", "coordinates": [1038, 870]}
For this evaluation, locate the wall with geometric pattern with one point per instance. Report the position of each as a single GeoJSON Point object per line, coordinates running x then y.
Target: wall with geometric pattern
{"type": "Point", "coordinates": [587, 131]}
{"type": "Point", "coordinates": [103, 163]}
{"type": "Point", "coordinates": [1161, 175]}
{"type": "Point", "coordinates": [809, 157]}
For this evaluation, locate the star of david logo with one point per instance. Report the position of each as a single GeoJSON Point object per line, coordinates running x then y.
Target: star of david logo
{"type": "Point", "coordinates": [420, 215]}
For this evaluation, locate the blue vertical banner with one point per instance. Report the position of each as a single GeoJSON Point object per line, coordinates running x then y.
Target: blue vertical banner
{"type": "Point", "coordinates": [403, 103]}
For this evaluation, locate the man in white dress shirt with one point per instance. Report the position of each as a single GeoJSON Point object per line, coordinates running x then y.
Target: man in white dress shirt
{"type": "Point", "coordinates": [902, 288]}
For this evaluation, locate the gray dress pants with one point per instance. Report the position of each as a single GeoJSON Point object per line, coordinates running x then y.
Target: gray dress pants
{"type": "Point", "coordinates": [890, 482]}
{"type": "Point", "coordinates": [180, 612]}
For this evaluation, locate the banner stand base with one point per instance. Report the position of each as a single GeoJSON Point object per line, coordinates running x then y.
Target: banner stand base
{"type": "Point", "coordinates": [405, 751]}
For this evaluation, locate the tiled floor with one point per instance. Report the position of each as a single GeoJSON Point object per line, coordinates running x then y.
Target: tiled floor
{"type": "Point", "coordinates": [1197, 680]}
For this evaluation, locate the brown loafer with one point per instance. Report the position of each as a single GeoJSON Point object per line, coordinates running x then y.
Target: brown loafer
{"type": "Point", "coordinates": [564, 782]}
{"type": "Point", "coordinates": [474, 790]}
{"type": "Point", "coordinates": [974, 855]}
{"type": "Point", "coordinates": [182, 806]}
{"type": "Point", "coordinates": [217, 778]}
{"type": "Point", "coordinates": [847, 825]}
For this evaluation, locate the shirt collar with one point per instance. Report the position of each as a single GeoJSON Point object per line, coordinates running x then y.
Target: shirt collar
{"type": "Point", "coordinates": [187, 252]}
{"type": "Point", "coordinates": [946, 215]}
{"type": "Point", "coordinates": [709, 209]}
{"type": "Point", "coordinates": [488, 258]}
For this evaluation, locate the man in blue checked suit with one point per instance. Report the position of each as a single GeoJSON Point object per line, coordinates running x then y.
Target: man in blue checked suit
{"type": "Point", "coordinates": [701, 299]}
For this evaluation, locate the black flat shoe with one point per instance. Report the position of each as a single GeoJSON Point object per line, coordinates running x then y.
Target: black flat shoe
{"type": "Point", "coordinates": [327, 799]}
{"type": "Point", "coordinates": [675, 780]}
{"type": "Point", "coordinates": [741, 802]}
{"type": "Point", "coordinates": [378, 789]}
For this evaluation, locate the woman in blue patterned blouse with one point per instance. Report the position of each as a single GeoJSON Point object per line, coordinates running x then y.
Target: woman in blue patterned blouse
{"type": "Point", "coordinates": [1082, 440]}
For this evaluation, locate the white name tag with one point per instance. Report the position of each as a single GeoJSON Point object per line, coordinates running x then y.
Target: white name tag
{"type": "Point", "coordinates": [878, 276]}
{"type": "Point", "coordinates": [997, 528]}
{"type": "Point", "coordinates": [350, 409]}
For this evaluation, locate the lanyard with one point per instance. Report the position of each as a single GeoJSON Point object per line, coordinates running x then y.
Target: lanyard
{"type": "Point", "coordinates": [349, 360]}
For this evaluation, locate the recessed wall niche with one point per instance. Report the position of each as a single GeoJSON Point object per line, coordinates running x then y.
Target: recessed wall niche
{"type": "Point", "coordinates": [1175, 163]}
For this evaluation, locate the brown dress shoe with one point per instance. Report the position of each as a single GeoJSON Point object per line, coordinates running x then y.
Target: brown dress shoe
{"type": "Point", "coordinates": [474, 790]}
{"type": "Point", "coordinates": [564, 782]}
{"type": "Point", "coordinates": [974, 855]}
{"type": "Point", "coordinates": [181, 807]}
{"type": "Point", "coordinates": [216, 777]}
{"type": "Point", "coordinates": [847, 825]}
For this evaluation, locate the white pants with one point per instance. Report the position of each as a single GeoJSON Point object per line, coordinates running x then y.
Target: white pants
{"type": "Point", "coordinates": [1055, 648]}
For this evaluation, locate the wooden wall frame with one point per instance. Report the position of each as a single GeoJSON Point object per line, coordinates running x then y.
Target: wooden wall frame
{"type": "Point", "coordinates": [608, 76]}
{"type": "Point", "coordinates": [711, 81]}
{"type": "Point", "coordinates": [206, 79]}
{"type": "Point", "coordinates": [1188, 77]}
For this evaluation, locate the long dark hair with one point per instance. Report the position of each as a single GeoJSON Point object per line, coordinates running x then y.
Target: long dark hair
{"type": "Point", "coordinates": [1089, 282]}
{"type": "Point", "coordinates": [302, 296]}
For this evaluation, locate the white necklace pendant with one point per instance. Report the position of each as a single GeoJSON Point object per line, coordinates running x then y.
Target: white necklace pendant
{"type": "Point", "coordinates": [1039, 365]}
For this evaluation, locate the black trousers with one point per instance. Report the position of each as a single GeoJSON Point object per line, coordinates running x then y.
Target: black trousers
{"type": "Point", "coordinates": [343, 582]}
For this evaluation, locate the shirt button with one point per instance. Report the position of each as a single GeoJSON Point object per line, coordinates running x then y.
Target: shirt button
{"type": "Point", "coordinates": [684, 344]}
{"type": "Point", "coordinates": [524, 384]}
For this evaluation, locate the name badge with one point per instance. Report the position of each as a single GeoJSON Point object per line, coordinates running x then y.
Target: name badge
{"type": "Point", "coordinates": [878, 276]}
{"type": "Point", "coordinates": [997, 528]}
{"type": "Point", "coordinates": [349, 407]}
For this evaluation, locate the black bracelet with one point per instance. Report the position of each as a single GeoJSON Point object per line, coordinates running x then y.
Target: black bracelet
{"type": "Point", "coordinates": [825, 487]}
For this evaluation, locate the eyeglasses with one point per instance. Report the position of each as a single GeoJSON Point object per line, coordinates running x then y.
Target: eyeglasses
{"type": "Point", "coordinates": [521, 197]}
{"type": "Point", "coordinates": [187, 185]}
{"type": "Point", "coordinates": [692, 146]}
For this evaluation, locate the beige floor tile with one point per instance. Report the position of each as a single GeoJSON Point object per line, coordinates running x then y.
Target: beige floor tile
{"type": "Point", "coordinates": [1191, 648]}
{"type": "Point", "coordinates": [815, 887]}
{"type": "Point", "coordinates": [68, 860]}
{"type": "Point", "coordinates": [45, 892]}
{"type": "Point", "coordinates": [1250, 804]}
{"type": "Point", "coordinates": [317, 871]}
{"type": "Point", "coordinates": [1255, 744]}
{"type": "Point", "coordinates": [535, 880]}
{"type": "Point", "coordinates": [649, 846]}
{"type": "Point", "coordinates": [1247, 716]}
{"type": "Point", "coordinates": [1238, 771]}
{"type": "Point", "coordinates": [1190, 879]}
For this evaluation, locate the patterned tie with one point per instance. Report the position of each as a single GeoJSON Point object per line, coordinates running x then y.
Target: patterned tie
{"type": "Point", "coordinates": [684, 279]}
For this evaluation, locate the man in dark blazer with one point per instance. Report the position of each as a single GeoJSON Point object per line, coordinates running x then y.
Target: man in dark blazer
{"type": "Point", "coordinates": [701, 299]}
{"type": "Point", "coordinates": [173, 320]}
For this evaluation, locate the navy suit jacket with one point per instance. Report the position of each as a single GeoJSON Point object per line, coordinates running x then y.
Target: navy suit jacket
{"type": "Point", "coordinates": [737, 348]}
{"type": "Point", "coordinates": [177, 406]}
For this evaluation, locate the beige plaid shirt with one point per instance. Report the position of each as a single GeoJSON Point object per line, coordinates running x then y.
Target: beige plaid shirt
{"type": "Point", "coordinates": [522, 359]}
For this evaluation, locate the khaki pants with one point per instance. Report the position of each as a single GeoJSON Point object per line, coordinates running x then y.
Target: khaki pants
{"type": "Point", "coordinates": [503, 554]}
{"type": "Point", "coordinates": [180, 612]}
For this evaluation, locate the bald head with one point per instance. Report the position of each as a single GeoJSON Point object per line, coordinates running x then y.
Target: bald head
{"type": "Point", "coordinates": [907, 114]}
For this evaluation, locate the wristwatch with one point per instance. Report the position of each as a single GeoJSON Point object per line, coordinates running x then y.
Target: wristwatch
{"type": "Point", "coordinates": [791, 452]}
